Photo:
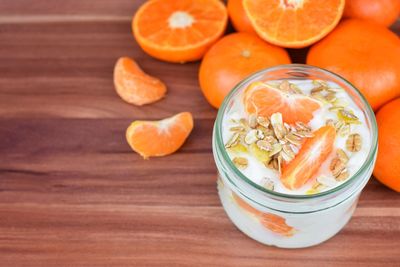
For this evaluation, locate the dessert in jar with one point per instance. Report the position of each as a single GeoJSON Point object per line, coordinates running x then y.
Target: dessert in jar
{"type": "Point", "coordinates": [294, 146]}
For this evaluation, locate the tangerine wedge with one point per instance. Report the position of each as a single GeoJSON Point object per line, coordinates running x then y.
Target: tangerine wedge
{"type": "Point", "coordinates": [307, 162]}
{"type": "Point", "coordinates": [264, 100]}
{"type": "Point", "coordinates": [134, 86]}
{"type": "Point", "coordinates": [293, 23]}
{"type": "Point", "coordinates": [159, 138]}
{"type": "Point", "coordinates": [277, 224]}
{"type": "Point", "coordinates": [272, 222]}
{"type": "Point", "coordinates": [179, 30]}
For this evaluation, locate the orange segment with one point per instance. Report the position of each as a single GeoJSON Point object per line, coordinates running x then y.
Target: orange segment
{"type": "Point", "coordinates": [134, 86]}
{"type": "Point", "coordinates": [264, 100]}
{"type": "Point", "coordinates": [272, 222]}
{"type": "Point", "coordinates": [293, 23]}
{"type": "Point", "coordinates": [179, 30]}
{"type": "Point", "coordinates": [243, 204]}
{"type": "Point", "coordinates": [277, 224]}
{"type": "Point", "coordinates": [159, 138]}
{"type": "Point", "coordinates": [312, 154]}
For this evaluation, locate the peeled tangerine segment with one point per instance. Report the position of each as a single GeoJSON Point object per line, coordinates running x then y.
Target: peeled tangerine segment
{"type": "Point", "coordinates": [159, 138]}
{"type": "Point", "coordinates": [134, 86]}
{"type": "Point", "coordinates": [307, 162]}
{"type": "Point", "coordinates": [263, 99]}
{"type": "Point", "coordinates": [272, 222]}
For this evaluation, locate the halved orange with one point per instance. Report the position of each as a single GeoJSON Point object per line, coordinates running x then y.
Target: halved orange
{"type": "Point", "coordinates": [272, 222]}
{"type": "Point", "coordinates": [264, 100]}
{"type": "Point", "coordinates": [179, 30]}
{"type": "Point", "coordinates": [307, 162]}
{"type": "Point", "coordinates": [293, 23]}
{"type": "Point", "coordinates": [159, 138]}
{"type": "Point", "coordinates": [134, 86]}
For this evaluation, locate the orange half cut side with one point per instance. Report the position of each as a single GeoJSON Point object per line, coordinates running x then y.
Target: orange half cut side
{"type": "Point", "coordinates": [179, 30]}
{"type": "Point", "coordinates": [293, 23]}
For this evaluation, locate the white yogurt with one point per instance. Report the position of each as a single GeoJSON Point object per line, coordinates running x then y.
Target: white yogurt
{"type": "Point", "coordinates": [257, 171]}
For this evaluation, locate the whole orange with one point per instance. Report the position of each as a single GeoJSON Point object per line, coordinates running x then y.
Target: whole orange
{"type": "Point", "coordinates": [238, 16]}
{"type": "Point", "coordinates": [383, 12]}
{"type": "Point", "coordinates": [387, 168]}
{"type": "Point", "coordinates": [366, 54]}
{"type": "Point", "coordinates": [233, 58]}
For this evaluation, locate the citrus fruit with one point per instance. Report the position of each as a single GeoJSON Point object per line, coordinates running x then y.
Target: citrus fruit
{"type": "Point", "coordinates": [265, 100]}
{"type": "Point", "coordinates": [179, 30]}
{"type": "Point", "coordinates": [134, 86]}
{"type": "Point", "coordinates": [159, 138]}
{"type": "Point", "coordinates": [387, 167]}
{"type": "Point", "coordinates": [232, 59]}
{"type": "Point", "coordinates": [272, 222]}
{"type": "Point", "coordinates": [366, 54]}
{"type": "Point", "coordinates": [312, 154]}
{"type": "Point", "coordinates": [383, 12]}
{"type": "Point", "coordinates": [293, 23]}
{"type": "Point", "coordinates": [238, 16]}
{"type": "Point", "coordinates": [276, 224]}
{"type": "Point", "coordinates": [247, 207]}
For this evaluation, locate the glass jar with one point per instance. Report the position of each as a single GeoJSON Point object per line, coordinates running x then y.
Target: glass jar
{"type": "Point", "coordinates": [284, 220]}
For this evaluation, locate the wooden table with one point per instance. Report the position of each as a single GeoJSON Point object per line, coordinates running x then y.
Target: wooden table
{"type": "Point", "coordinates": [72, 193]}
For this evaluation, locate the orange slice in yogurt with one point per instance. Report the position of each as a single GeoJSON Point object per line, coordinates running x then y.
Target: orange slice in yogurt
{"type": "Point", "coordinates": [264, 100]}
{"type": "Point", "coordinates": [272, 222]}
{"type": "Point", "coordinates": [312, 154]}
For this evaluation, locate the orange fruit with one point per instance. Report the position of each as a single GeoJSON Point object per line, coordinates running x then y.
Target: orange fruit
{"type": "Point", "coordinates": [273, 222]}
{"type": "Point", "coordinates": [247, 207]}
{"type": "Point", "coordinates": [366, 54]}
{"type": "Point", "coordinates": [387, 167]}
{"type": "Point", "coordinates": [159, 138]}
{"type": "Point", "coordinates": [276, 224]}
{"type": "Point", "coordinates": [134, 86]}
{"type": "Point", "coordinates": [312, 154]}
{"type": "Point", "coordinates": [265, 100]}
{"type": "Point", "coordinates": [293, 23]}
{"type": "Point", "coordinates": [232, 59]}
{"type": "Point", "coordinates": [383, 12]}
{"type": "Point", "coordinates": [238, 16]}
{"type": "Point", "coordinates": [179, 30]}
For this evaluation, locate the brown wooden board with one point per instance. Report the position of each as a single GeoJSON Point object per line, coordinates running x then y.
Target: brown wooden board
{"type": "Point", "coordinates": [72, 193]}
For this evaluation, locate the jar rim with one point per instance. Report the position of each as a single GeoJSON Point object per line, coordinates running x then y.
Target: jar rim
{"type": "Point", "coordinates": [366, 108]}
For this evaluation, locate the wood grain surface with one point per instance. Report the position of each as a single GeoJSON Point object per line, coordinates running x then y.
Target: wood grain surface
{"type": "Point", "coordinates": [72, 193]}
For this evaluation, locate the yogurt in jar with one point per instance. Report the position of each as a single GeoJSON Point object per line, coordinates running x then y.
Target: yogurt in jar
{"type": "Point", "coordinates": [304, 150]}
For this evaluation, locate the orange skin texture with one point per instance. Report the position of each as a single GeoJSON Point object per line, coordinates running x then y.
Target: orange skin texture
{"type": "Point", "coordinates": [134, 86]}
{"type": "Point", "coordinates": [383, 12]}
{"type": "Point", "coordinates": [232, 59]}
{"type": "Point", "coordinates": [387, 167]}
{"type": "Point", "coordinates": [238, 17]}
{"type": "Point", "coordinates": [366, 54]}
{"type": "Point", "coordinates": [272, 222]}
{"type": "Point", "coordinates": [152, 31]}
{"type": "Point", "coordinates": [264, 100]}
{"type": "Point", "coordinates": [287, 24]}
{"type": "Point", "coordinates": [312, 154]}
{"type": "Point", "coordinates": [159, 138]}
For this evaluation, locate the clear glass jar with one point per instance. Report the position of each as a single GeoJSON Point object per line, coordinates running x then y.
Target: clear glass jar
{"type": "Point", "coordinates": [283, 220]}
